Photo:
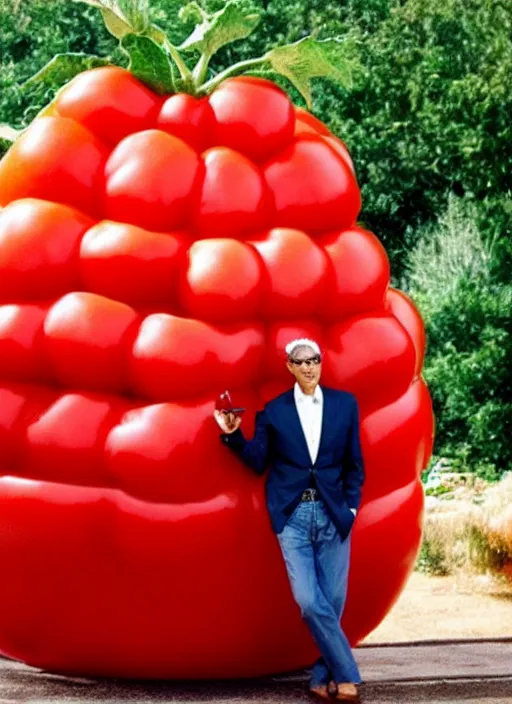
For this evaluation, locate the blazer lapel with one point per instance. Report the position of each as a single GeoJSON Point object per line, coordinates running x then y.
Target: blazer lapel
{"type": "Point", "coordinates": [292, 423]}
{"type": "Point", "coordinates": [327, 421]}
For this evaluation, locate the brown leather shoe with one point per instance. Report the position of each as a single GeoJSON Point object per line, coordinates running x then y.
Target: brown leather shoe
{"type": "Point", "coordinates": [347, 692]}
{"type": "Point", "coordinates": [320, 691]}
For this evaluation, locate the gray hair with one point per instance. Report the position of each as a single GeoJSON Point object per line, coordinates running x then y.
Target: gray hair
{"type": "Point", "coordinates": [301, 342]}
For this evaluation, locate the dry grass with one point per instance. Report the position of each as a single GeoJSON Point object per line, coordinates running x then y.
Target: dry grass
{"type": "Point", "coordinates": [438, 608]}
{"type": "Point", "coordinates": [469, 540]}
{"type": "Point", "coordinates": [469, 532]}
{"type": "Point", "coordinates": [498, 510]}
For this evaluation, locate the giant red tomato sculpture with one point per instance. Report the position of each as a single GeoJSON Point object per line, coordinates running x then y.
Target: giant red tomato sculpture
{"type": "Point", "coordinates": [153, 252]}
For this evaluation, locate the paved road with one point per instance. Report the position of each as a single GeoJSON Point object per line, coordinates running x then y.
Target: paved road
{"type": "Point", "coordinates": [449, 673]}
{"type": "Point", "coordinates": [423, 661]}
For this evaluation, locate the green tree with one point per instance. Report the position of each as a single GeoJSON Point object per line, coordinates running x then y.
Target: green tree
{"type": "Point", "coordinates": [432, 115]}
{"type": "Point", "coordinates": [468, 316]}
{"type": "Point", "coordinates": [33, 32]}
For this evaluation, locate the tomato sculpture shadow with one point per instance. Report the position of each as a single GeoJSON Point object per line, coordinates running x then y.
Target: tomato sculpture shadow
{"type": "Point", "coordinates": [153, 252]}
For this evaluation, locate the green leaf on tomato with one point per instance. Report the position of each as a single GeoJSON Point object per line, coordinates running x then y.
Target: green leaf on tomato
{"type": "Point", "coordinates": [149, 63]}
{"type": "Point", "coordinates": [122, 17]}
{"type": "Point", "coordinates": [62, 68]}
{"type": "Point", "coordinates": [312, 58]}
{"type": "Point", "coordinates": [235, 21]}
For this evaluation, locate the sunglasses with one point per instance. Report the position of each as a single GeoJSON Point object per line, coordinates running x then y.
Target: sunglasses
{"type": "Point", "coordinates": [309, 361]}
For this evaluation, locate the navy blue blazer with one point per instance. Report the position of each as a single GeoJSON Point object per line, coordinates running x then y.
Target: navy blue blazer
{"type": "Point", "coordinates": [279, 443]}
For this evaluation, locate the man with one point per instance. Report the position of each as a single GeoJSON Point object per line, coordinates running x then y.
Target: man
{"type": "Point", "coordinates": [309, 436]}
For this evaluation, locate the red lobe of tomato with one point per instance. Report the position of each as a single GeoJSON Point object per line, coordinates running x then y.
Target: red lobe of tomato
{"type": "Point", "coordinates": [155, 251]}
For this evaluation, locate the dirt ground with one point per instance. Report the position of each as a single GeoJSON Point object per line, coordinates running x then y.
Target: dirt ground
{"type": "Point", "coordinates": [434, 608]}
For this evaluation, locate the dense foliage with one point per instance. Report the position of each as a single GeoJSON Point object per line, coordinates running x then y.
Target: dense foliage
{"type": "Point", "coordinates": [468, 311]}
{"type": "Point", "coordinates": [428, 116]}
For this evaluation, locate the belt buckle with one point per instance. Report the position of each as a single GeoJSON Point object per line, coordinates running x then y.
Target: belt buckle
{"type": "Point", "coordinates": [309, 495]}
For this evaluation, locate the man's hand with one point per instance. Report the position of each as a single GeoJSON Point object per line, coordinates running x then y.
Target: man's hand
{"type": "Point", "coordinates": [228, 422]}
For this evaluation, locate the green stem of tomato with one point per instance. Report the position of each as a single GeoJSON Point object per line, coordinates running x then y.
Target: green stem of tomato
{"type": "Point", "coordinates": [241, 66]}
{"type": "Point", "coordinates": [184, 70]}
{"type": "Point", "coordinates": [200, 70]}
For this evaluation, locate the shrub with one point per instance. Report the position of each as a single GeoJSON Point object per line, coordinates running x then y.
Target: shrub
{"type": "Point", "coordinates": [465, 535]}
{"type": "Point", "coordinates": [468, 318]}
{"type": "Point", "coordinates": [432, 558]}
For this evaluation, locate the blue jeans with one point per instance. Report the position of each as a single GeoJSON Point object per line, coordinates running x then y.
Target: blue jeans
{"type": "Point", "coordinates": [317, 562]}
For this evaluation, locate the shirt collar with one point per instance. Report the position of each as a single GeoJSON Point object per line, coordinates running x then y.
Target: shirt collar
{"type": "Point", "coordinates": [301, 397]}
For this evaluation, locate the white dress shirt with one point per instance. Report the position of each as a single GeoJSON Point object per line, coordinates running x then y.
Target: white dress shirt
{"type": "Point", "coordinates": [310, 409]}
